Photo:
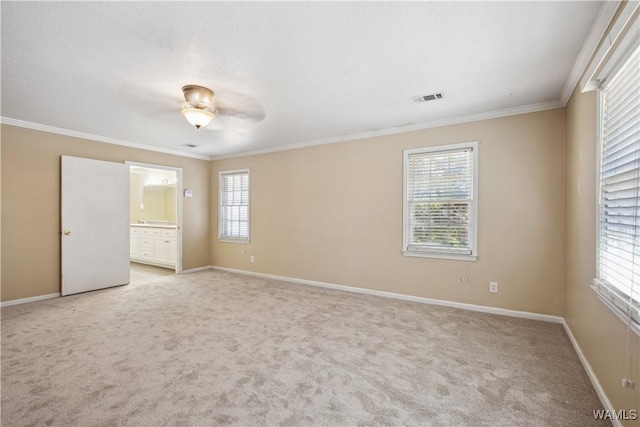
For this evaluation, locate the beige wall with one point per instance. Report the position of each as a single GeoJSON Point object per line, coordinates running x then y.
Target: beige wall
{"type": "Point", "coordinates": [31, 205]}
{"type": "Point", "coordinates": [333, 213]}
{"type": "Point", "coordinates": [600, 334]}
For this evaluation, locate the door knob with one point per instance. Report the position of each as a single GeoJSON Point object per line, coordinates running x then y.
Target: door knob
{"type": "Point", "coordinates": [67, 232]}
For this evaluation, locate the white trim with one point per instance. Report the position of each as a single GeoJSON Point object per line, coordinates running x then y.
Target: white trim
{"type": "Point", "coordinates": [607, 68]}
{"type": "Point", "coordinates": [495, 114]}
{"type": "Point", "coordinates": [451, 256]}
{"type": "Point", "coordinates": [473, 204]}
{"type": "Point", "coordinates": [488, 115]}
{"type": "Point", "coordinates": [444, 303]}
{"type": "Point", "coordinates": [607, 11]}
{"type": "Point", "coordinates": [621, 53]}
{"type": "Point", "coordinates": [197, 269]}
{"type": "Point", "coordinates": [592, 376]}
{"type": "Point", "coordinates": [30, 299]}
{"type": "Point", "coordinates": [231, 239]}
{"type": "Point", "coordinates": [604, 54]}
{"type": "Point", "coordinates": [179, 207]}
{"type": "Point", "coordinates": [629, 323]}
{"type": "Point", "coordinates": [99, 138]}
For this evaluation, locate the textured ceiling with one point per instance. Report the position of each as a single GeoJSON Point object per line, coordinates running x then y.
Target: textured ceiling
{"type": "Point", "coordinates": [285, 73]}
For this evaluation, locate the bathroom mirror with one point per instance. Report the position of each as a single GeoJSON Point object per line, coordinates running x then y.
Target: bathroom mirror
{"type": "Point", "coordinates": [159, 203]}
{"type": "Point", "coordinates": [153, 196]}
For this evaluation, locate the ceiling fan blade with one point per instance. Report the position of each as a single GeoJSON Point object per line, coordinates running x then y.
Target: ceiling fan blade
{"type": "Point", "coordinates": [150, 102]}
{"type": "Point", "coordinates": [238, 106]}
{"type": "Point", "coordinates": [229, 121]}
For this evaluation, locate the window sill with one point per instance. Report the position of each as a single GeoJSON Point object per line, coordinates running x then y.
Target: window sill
{"type": "Point", "coordinates": [617, 311]}
{"type": "Point", "coordinates": [231, 240]}
{"type": "Point", "coordinates": [457, 257]}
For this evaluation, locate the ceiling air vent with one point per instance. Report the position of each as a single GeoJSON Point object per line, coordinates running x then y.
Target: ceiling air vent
{"type": "Point", "coordinates": [430, 97]}
{"type": "Point", "coordinates": [189, 145]}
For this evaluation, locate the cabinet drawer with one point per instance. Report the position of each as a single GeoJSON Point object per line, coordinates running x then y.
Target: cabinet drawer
{"type": "Point", "coordinates": [146, 242]}
{"type": "Point", "coordinates": [134, 230]}
{"type": "Point", "coordinates": [146, 231]}
{"type": "Point", "coordinates": [145, 254]}
{"type": "Point", "coordinates": [168, 232]}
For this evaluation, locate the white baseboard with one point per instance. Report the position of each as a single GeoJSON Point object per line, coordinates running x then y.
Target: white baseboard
{"type": "Point", "coordinates": [453, 304]}
{"type": "Point", "coordinates": [195, 270]}
{"type": "Point", "coordinates": [30, 299]}
{"type": "Point", "coordinates": [592, 376]}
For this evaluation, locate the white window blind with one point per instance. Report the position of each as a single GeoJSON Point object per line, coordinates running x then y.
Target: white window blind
{"type": "Point", "coordinates": [440, 206]}
{"type": "Point", "coordinates": [618, 253]}
{"type": "Point", "coordinates": [234, 205]}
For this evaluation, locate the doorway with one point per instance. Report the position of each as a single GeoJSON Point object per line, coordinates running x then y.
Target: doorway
{"type": "Point", "coordinates": [155, 219]}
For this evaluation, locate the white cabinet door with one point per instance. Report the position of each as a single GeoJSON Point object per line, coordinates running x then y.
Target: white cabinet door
{"type": "Point", "coordinates": [161, 249]}
{"type": "Point", "coordinates": [134, 242]}
{"type": "Point", "coordinates": [94, 211]}
{"type": "Point", "coordinates": [173, 251]}
{"type": "Point", "coordinates": [134, 246]}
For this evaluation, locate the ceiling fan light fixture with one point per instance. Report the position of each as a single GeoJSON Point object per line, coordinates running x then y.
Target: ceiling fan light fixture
{"type": "Point", "coordinates": [198, 117]}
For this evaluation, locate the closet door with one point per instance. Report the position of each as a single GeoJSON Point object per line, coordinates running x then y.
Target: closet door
{"type": "Point", "coordinates": [95, 224]}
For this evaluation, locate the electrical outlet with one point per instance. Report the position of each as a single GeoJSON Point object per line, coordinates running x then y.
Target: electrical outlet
{"type": "Point", "coordinates": [493, 287]}
{"type": "Point", "coordinates": [252, 259]}
{"type": "Point", "coordinates": [626, 383]}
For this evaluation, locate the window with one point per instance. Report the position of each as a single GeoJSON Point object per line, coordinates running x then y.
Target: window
{"type": "Point", "coordinates": [233, 222]}
{"type": "Point", "coordinates": [618, 250]}
{"type": "Point", "coordinates": [440, 203]}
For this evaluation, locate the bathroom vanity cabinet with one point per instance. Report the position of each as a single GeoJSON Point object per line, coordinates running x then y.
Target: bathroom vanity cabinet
{"type": "Point", "coordinates": [153, 244]}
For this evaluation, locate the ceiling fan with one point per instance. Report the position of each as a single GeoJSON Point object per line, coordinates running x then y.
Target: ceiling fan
{"type": "Point", "coordinates": [199, 108]}
{"type": "Point", "coordinates": [234, 111]}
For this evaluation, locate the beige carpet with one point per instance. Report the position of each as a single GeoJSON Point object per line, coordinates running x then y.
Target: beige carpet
{"type": "Point", "coordinates": [214, 348]}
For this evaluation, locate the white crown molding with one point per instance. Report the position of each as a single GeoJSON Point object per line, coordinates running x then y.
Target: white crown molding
{"type": "Point", "coordinates": [495, 114]}
{"type": "Point", "coordinates": [607, 11]}
{"type": "Point", "coordinates": [444, 303]}
{"type": "Point", "coordinates": [99, 138]}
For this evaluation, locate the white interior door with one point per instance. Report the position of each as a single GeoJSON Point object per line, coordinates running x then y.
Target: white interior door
{"type": "Point", "coordinates": [95, 224]}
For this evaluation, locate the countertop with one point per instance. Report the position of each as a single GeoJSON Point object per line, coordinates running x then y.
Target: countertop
{"type": "Point", "coordinates": [154, 225]}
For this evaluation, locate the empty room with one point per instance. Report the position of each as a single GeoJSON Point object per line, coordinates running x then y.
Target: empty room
{"type": "Point", "coordinates": [320, 213]}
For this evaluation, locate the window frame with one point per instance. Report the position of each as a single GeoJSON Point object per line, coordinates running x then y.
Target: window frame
{"type": "Point", "coordinates": [226, 238]}
{"type": "Point", "coordinates": [608, 294]}
{"type": "Point", "coordinates": [442, 253]}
